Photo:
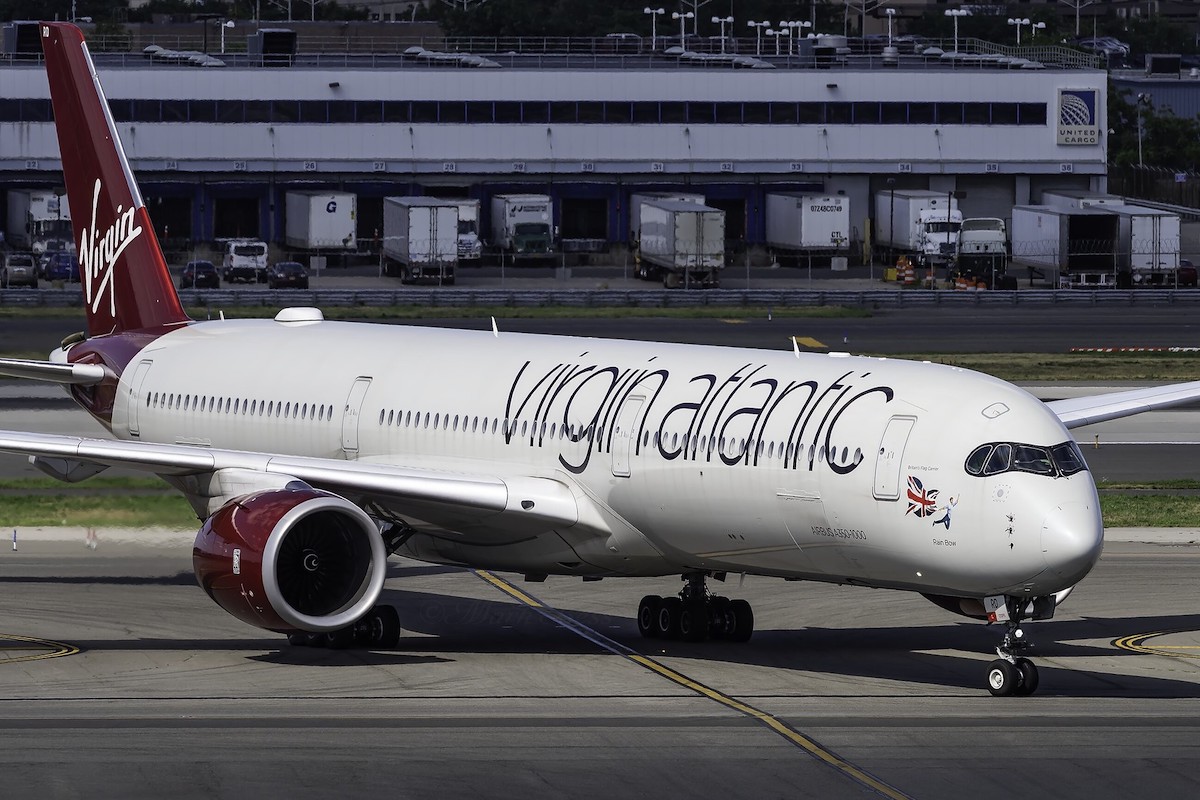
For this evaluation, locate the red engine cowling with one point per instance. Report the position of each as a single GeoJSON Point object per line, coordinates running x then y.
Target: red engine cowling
{"type": "Point", "coordinates": [291, 559]}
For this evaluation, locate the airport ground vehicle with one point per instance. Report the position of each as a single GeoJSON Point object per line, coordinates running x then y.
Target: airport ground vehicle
{"type": "Point", "coordinates": [18, 269]}
{"type": "Point", "coordinates": [420, 238]}
{"type": "Point", "coordinates": [470, 245]}
{"type": "Point", "coordinates": [62, 267]}
{"type": "Point", "coordinates": [1069, 246]}
{"type": "Point", "coordinates": [37, 218]}
{"type": "Point", "coordinates": [982, 250]}
{"type": "Point", "coordinates": [807, 223]}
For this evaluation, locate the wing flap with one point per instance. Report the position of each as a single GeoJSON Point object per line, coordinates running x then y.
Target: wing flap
{"type": "Point", "coordinates": [1076, 412]}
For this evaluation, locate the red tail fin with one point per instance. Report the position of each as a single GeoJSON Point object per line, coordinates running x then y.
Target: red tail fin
{"type": "Point", "coordinates": [126, 285]}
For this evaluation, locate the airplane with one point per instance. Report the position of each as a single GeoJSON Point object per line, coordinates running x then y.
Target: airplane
{"type": "Point", "coordinates": [312, 450]}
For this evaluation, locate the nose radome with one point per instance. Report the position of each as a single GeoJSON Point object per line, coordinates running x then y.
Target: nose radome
{"type": "Point", "coordinates": [1072, 538]}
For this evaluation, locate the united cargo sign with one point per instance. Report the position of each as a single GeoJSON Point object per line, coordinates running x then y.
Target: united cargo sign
{"type": "Point", "coordinates": [1078, 117]}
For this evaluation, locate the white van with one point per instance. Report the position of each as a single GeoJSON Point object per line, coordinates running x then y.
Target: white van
{"type": "Point", "coordinates": [245, 260]}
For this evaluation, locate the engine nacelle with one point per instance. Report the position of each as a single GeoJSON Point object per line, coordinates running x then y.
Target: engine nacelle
{"type": "Point", "coordinates": [291, 559]}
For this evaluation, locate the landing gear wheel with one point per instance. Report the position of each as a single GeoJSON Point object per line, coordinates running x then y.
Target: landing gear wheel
{"type": "Point", "coordinates": [379, 628]}
{"type": "Point", "coordinates": [647, 616]}
{"type": "Point", "coordinates": [666, 622]}
{"type": "Point", "coordinates": [693, 621]}
{"type": "Point", "coordinates": [743, 621]}
{"type": "Point", "coordinates": [1003, 678]}
{"type": "Point", "coordinates": [340, 639]}
{"type": "Point", "coordinates": [1029, 677]}
{"type": "Point", "coordinates": [298, 639]}
{"type": "Point", "coordinates": [723, 621]}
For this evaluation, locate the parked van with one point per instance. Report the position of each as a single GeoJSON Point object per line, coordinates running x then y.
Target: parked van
{"type": "Point", "coordinates": [245, 260]}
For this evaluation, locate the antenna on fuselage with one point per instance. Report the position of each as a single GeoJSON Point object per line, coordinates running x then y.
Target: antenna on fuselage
{"type": "Point", "coordinates": [495, 330]}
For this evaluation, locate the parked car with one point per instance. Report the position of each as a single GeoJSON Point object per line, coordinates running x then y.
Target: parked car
{"type": "Point", "coordinates": [62, 267]}
{"type": "Point", "coordinates": [287, 275]}
{"type": "Point", "coordinates": [1186, 274]}
{"type": "Point", "coordinates": [199, 275]}
{"type": "Point", "coordinates": [18, 269]}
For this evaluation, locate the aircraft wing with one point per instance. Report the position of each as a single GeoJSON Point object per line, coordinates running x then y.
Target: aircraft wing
{"type": "Point", "coordinates": [515, 504]}
{"type": "Point", "coordinates": [1076, 412]}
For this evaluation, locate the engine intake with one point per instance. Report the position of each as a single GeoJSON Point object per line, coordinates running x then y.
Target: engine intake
{"type": "Point", "coordinates": [291, 559]}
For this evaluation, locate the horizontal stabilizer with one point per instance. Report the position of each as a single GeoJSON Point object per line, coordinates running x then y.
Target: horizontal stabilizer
{"type": "Point", "coordinates": [77, 374]}
{"type": "Point", "coordinates": [1076, 412]}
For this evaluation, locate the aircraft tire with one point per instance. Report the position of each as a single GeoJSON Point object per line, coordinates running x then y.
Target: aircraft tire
{"type": "Point", "coordinates": [743, 620]}
{"type": "Point", "coordinates": [1028, 672]}
{"type": "Point", "coordinates": [340, 639]}
{"type": "Point", "coordinates": [1003, 678]}
{"type": "Point", "coordinates": [693, 621]}
{"type": "Point", "coordinates": [666, 621]}
{"type": "Point", "coordinates": [647, 614]}
{"type": "Point", "coordinates": [298, 639]}
{"type": "Point", "coordinates": [723, 621]}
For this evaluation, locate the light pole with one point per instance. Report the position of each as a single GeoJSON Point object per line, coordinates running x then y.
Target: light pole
{"type": "Point", "coordinates": [891, 12]}
{"type": "Point", "coordinates": [758, 28]}
{"type": "Point", "coordinates": [226, 24]}
{"type": "Point", "coordinates": [1143, 99]}
{"type": "Point", "coordinates": [723, 21]}
{"type": "Point", "coordinates": [793, 28]}
{"type": "Point", "coordinates": [683, 18]}
{"type": "Point", "coordinates": [956, 13]}
{"type": "Point", "coordinates": [1018, 22]}
{"type": "Point", "coordinates": [653, 12]}
{"type": "Point", "coordinates": [1035, 27]}
{"type": "Point", "coordinates": [777, 34]}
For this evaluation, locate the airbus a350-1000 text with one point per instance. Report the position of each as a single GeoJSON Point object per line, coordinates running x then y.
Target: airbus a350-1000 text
{"type": "Point", "coordinates": [311, 450]}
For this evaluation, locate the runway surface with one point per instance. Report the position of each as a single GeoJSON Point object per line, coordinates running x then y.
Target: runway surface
{"type": "Point", "coordinates": [487, 697]}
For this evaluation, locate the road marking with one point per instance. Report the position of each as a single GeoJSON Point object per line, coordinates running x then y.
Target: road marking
{"type": "Point", "coordinates": [808, 341]}
{"type": "Point", "coordinates": [1137, 644]}
{"type": "Point", "coordinates": [778, 726]}
{"type": "Point", "coordinates": [31, 649]}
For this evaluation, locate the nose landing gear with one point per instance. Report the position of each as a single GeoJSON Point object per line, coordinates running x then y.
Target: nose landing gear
{"type": "Point", "coordinates": [1013, 674]}
{"type": "Point", "coordinates": [695, 615]}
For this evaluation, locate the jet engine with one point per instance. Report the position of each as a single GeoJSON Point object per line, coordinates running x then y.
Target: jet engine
{"type": "Point", "coordinates": [295, 559]}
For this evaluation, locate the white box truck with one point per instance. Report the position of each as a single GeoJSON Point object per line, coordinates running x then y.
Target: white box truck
{"type": "Point", "coordinates": [39, 220]}
{"type": "Point", "coordinates": [523, 226]}
{"type": "Point", "coordinates": [470, 246]}
{"type": "Point", "coordinates": [321, 220]}
{"type": "Point", "coordinates": [420, 238]}
{"type": "Point", "coordinates": [1071, 199]}
{"type": "Point", "coordinates": [983, 251]}
{"type": "Point", "coordinates": [682, 242]}
{"type": "Point", "coordinates": [635, 208]}
{"type": "Point", "coordinates": [1148, 243]}
{"type": "Point", "coordinates": [1067, 247]}
{"type": "Point", "coordinates": [918, 223]}
{"type": "Point", "coordinates": [806, 223]}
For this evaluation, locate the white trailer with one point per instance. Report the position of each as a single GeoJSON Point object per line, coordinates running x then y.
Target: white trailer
{"type": "Point", "coordinates": [420, 238]}
{"type": "Point", "coordinates": [917, 222]}
{"type": "Point", "coordinates": [39, 219]}
{"type": "Point", "coordinates": [1148, 243]}
{"type": "Point", "coordinates": [682, 242]}
{"type": "Point", "coordinates": [470, 245]}
{"type": "Point", "coordinates": [523, 225]}
{"type": "Point", "coordinates": [1069, 247]}
{"type": "Point", "coordinates": [807, 222]}
{"type": "Point", "coordinates": [635, 208]}
{"type": "Point", "coordinates": [1070, 199]}
{"type": "Point", "coordinates": [321, 220]}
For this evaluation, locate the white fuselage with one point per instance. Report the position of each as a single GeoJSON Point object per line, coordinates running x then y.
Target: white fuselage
{"type": "Point", "coordinates": [821, 467]}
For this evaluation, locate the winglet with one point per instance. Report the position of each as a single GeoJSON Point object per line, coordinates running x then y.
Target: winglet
{"type": "Point", "coordinates": [126, 285]}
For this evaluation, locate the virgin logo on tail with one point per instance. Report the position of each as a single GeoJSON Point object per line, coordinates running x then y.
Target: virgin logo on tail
{"type": "Point", "coordinates": [99, 251]}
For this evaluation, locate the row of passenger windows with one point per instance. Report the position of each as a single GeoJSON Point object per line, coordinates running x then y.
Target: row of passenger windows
{"type": "Point", "coordinates": [998, 457]}
{"type": "Point", "coordinates": [239, 406]}
{"type": "Point", "coordinates": [548, 112]}
{"type": "Point", "coordinates": [690, 444]}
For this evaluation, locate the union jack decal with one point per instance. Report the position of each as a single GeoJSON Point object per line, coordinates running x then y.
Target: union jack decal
{"type": "Point", "coordinates": [921, 501]}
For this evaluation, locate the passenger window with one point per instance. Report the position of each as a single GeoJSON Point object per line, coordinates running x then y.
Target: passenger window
{"type": "Point", "coordinates": [436, 419]}
{"type": "Point", "coordinates": [999, 460]}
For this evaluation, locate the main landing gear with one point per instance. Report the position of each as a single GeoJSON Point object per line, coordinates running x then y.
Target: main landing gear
{"type": "Point", "coordinates": [695, 615]}
{"type": "Point", "coordinates": [1012, 674]}
{"type": "Point", "coordinates": [379, 628]}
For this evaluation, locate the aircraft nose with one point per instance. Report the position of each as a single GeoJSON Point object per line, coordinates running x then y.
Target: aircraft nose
{"type": "Point", "coordinates": [1072, 538]}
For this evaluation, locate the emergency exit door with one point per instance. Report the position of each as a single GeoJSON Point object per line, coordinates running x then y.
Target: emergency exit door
{"type": "Point", "coordinates": [890, 457]}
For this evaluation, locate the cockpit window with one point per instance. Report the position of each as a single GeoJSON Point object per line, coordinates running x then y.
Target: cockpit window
{"type": "Point", "coordinates": [995, 458]}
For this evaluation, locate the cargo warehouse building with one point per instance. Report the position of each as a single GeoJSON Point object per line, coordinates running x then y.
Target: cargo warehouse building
{"type": "Point", "coordinates": [217, 147]}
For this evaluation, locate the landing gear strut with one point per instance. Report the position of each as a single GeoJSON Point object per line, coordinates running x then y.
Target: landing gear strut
{"type": "Point", "coordinates": [695, 614]}
{"type": "Point", "coordinates": [1013, 674]}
